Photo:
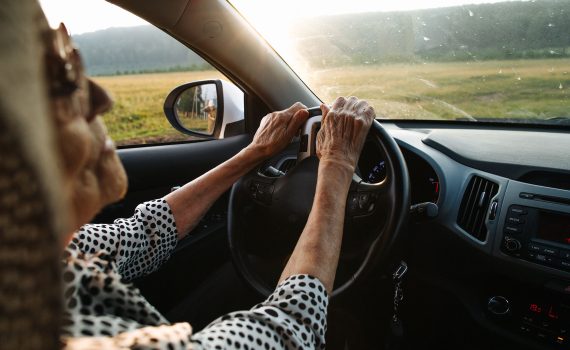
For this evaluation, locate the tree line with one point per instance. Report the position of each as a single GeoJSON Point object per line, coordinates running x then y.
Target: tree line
{"type": "Point", "coordinates": [505, 30]}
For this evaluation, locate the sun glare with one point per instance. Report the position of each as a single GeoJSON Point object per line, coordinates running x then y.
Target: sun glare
{"type": "Point", "coordinates": [274, 19]}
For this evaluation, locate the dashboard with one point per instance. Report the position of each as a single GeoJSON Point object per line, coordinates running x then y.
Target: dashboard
{"type": "Point", "coordinates": [504, 199]}
{"type": "Point", "coordinates": [424, 182]}
{"type": "Point", "coordinates": [500, 241]}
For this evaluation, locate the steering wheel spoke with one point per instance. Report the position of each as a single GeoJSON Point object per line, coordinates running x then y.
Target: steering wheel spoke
{"type": "Point", "coordinates": [260, 188]}
{"type": "Point", "coordinates": [364, 198]}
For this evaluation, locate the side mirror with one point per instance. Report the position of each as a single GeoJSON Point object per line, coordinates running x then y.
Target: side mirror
{"type": "Point", "coordinates": [196, 108]}
{"type": "Point", "coordinates": [206, 109]}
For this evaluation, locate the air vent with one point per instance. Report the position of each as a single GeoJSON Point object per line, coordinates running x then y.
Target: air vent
{"type": "Point", "coordinates": [287, 164]}
{"type": "Point", "coordinates": [475, 205]}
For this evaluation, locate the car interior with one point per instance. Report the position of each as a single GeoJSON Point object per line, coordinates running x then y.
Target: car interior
{"type": "Point", "coordinates": [459, 230]}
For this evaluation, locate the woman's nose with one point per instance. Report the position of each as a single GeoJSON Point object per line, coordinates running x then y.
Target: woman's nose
{"type": "Point", "coordinates": [99, 100]}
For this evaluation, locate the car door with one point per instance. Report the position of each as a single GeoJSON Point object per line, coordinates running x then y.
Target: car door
{"type": "Point", "coordinates": [158, 159]}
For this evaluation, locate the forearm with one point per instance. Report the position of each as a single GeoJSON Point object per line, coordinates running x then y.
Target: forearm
{"type": "Point", "coordinates": [318, 249]}
{"type": "Point", "coordinates": [192, 201]}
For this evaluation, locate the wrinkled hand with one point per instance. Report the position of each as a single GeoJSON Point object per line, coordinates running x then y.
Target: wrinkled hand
{"type": "Point", "coordinates": [343, 131]}
{"type": "Point", "coordinates": [278, 128]}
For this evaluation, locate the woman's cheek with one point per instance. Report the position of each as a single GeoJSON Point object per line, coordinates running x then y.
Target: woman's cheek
{"type": "Point", "coordinates": [76, 147]}
{"type": "Point", "coordinates": [110, 171]}
{"type": "Point", "coordinates": [112, 178]}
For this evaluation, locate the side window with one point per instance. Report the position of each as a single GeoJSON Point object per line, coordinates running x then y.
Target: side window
{"type": "Point", "coordinates": [138, 65]}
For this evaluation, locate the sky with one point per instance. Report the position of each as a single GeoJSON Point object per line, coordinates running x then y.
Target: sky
{"type": "Point", "coordinates": [81, 16]}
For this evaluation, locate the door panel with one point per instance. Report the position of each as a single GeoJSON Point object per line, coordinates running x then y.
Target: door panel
{"type": "Point", "coordinates": [152, 171]}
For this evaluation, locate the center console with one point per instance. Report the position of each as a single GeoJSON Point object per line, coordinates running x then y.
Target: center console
{"type": "Point", "coordinates": [533, 231]}
{"type": "Point", "coordinates": [537, 235]}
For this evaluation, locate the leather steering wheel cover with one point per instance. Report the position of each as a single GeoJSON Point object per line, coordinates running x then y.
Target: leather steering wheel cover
{"type": "Point", "coordinates": [383, 243]}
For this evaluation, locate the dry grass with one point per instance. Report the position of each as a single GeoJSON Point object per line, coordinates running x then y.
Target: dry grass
{"type": "Point", "coordinates": [137, 116]}
{"type": "Point", "coordinates": [495, 89]}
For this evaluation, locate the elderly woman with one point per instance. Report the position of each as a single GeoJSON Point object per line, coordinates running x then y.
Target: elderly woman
{"type": "Point", "coordinates": [103, 310]}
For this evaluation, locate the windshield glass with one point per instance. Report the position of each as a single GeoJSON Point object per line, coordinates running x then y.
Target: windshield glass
{"type": "Point", "coordinates": [430, 59]}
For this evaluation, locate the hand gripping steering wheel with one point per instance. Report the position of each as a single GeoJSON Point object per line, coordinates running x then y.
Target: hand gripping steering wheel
{"type": "Point", "coordinates": [268, 211]}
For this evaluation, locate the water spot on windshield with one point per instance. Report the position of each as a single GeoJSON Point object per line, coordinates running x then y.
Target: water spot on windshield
{"type": "Point", "coordinates": [426, 38]}
{"type": "Point", "coordinates": [471, 14]}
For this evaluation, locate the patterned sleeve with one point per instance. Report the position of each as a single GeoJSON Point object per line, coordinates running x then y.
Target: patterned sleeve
{"type": "Point", "coordinates": [138, 245]}
{"type": "Point", "coordinates": [293, 317]}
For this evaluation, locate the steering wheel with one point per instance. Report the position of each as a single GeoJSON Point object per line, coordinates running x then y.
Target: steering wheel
{"type": "Point", "coordinates": [268, 211]}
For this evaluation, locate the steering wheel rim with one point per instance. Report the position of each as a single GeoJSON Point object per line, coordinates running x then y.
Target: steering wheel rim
{"type": "Point", "coordinates": [397, 189]}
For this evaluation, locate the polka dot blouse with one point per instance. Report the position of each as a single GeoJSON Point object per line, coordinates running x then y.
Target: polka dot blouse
{"type": "Point", "coordinates": [105, 311]}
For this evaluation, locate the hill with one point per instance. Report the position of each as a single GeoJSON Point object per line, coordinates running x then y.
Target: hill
{"type": "Point", "coordinates": [140, 49]}
{"type": "Point", "coordinates": [505, 30]}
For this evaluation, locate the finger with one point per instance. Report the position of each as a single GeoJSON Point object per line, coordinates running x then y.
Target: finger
{"type": "Point", "coordinates": [324, 112]}
{"type": "Point", "coordinates": [360, 106]}
{"type": "Point", "coordinates": [351, 102]}
{"type": "Point", "coordinates": [298, 119]}
{"type": "Point", "coordinates": [370, 112]}
{"type": "Point", "coordinates": [339, 102]}
{"type": "Point", "coordinates": [295, 107]}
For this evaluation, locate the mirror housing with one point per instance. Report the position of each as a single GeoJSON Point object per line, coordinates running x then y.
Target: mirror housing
{"type": "Point", "coordinates": [228, 103]}
{"type": "Point", "coordinates": [196, 106]}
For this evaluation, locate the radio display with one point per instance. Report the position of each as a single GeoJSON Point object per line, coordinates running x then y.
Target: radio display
{"type": "Point", "coordinates": [554, 227]}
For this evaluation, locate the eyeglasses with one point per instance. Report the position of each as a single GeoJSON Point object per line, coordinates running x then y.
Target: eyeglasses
{"type": "Point", "coordinates": [64, 73]}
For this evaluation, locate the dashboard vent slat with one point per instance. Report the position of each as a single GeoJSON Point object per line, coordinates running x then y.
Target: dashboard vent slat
{"type": "Point", "coordinates": [475, 205]}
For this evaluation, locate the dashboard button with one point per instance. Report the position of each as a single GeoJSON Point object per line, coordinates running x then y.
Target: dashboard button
{"type": "Point", "coordinates": [565, 264]}
{"type": "Point", "coordinates": [518, 210]}
{"type": "Point", "coordinates": [363, 200]}
{"type": "Point", "coordinates": [534, 247]}
{"type": "Point", "coordinates": [564, 254]}
{"type": "Point", "coordinates": [515, 220]}
{"type": "Point", "coordinates": [544, 259]}
{"type": "Point", "coordinates": [549, 251]}
{"type": "Point", "coordinates": [541, 334]}
{"type": "Point", "coordinates": [526, 195]}
{"type": "Point", "coordinates": [512, 245]}
{"type": "Point", "coordinates": [512, 229]}
{"type": "Point", "coordinates": [528, 319]}
{"type": "Point", "coordinates": [526, 329]}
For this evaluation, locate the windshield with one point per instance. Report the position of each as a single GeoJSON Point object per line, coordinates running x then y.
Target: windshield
{"type": "Point", "coordinates": [439, 60]}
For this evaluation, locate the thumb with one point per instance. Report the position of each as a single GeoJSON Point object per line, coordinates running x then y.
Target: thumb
{"type": "Point", "coordinates": [324, 112]}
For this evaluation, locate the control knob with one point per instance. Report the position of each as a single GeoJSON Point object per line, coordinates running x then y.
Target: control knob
{"type": "Point", "coordinates": [512, 245]}
{"type": "Point", "coordinates": [498, 305]}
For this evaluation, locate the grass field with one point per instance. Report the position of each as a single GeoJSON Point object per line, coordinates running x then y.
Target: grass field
{"type": "Point", "coordinates": [491, 89]}
{"type": "Point", "coordinates": [137, 115]}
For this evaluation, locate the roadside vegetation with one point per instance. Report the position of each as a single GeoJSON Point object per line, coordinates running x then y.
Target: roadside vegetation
{"type": "Point", "coordinates": [137, 116]}
{"type": "Point", "coordinates": [489, 89]}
